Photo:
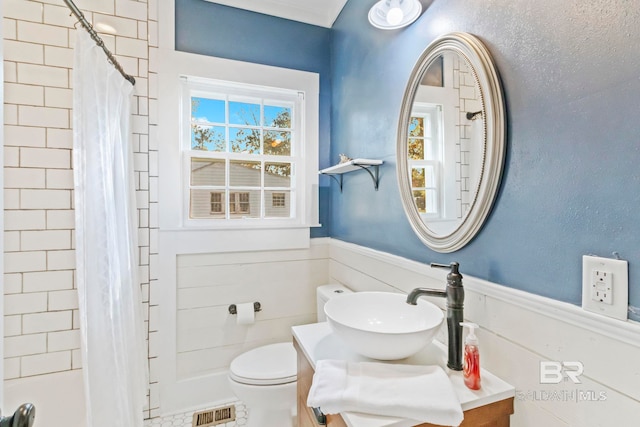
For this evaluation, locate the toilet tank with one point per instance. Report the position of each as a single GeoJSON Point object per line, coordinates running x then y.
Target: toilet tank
{"type": "Point", "coordinates": [326, 292]}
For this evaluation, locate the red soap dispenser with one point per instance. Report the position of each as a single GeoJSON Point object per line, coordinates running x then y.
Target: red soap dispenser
{"type": "Point", "coordinates": [471, 370]}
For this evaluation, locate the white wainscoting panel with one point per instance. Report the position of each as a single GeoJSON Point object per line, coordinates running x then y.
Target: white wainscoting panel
{"type": "Point", "coordinates": [193, 370]}
{"type": "Point", "coordinates": [518, 331]}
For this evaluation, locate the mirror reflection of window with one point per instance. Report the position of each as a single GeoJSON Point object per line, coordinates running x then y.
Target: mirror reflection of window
{"type": "Point", "coordinates": [425, 147]}
{"type": "Point", "coordinates": [447, 91]}
{"type": "Point", "coordinates": [449, 182]}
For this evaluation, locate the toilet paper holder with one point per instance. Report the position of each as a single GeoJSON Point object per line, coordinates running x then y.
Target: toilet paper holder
{"type": "Point", "coordinates": [234, 310]}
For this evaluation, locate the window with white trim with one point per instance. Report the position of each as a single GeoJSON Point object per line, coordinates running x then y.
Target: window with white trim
{"type": "Point", "coordinates": [243, 153]}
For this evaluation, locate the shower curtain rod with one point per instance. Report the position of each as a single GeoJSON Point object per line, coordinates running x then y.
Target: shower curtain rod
{"type": "Point", "coordinates": [83, 21]}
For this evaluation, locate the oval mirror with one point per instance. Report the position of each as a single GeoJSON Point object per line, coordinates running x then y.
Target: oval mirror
{"type": "Point", "coordinates": [451, 141]}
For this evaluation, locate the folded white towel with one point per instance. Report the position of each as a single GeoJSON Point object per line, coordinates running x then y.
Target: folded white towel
{"type": "Point", "coordinates": [415, 392]}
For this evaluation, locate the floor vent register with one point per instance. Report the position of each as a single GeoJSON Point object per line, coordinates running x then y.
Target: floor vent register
{"type": "Point", "coordinates": [214, 417]}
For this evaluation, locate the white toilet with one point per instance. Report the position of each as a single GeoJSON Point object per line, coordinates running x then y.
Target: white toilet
{"type": "Point", "coordinates": [265, 378]}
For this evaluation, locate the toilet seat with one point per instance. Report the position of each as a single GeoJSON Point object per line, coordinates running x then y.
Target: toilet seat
{"type": "Point", "coordinates": [268, 365]}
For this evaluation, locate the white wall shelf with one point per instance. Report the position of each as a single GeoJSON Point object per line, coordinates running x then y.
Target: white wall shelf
{"type": "Point", "coordinates": [338, 170]}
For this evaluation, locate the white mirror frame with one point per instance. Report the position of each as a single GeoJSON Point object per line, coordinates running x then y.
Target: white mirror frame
{"type": "Point", "coordinates": [479, 60]}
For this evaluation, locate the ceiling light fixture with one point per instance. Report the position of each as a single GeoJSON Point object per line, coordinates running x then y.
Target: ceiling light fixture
{"type": "Point", "coordinates": [394, 14]}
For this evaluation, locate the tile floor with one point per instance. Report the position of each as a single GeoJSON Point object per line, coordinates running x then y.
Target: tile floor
{"type": "Point", "coordinates": [184, 419]}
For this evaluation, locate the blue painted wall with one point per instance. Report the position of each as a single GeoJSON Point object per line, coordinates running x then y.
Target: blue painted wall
{"type": "Point", "coordinates": [211, 29]}
{"type": "Point", "coordinates": [570, 72]}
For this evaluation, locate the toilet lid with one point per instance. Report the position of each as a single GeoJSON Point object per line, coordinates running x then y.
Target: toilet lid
{"type": "Point", "coordinates": [268, 365]}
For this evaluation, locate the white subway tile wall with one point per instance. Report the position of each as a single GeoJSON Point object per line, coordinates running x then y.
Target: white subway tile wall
{"type": "Point", "coordinates": [41, 304]}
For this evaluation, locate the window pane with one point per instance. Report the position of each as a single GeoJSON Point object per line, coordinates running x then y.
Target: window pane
{"type": "Point", "coordinates": [277, 117]}
{"type": "Point", "coordinates": [416, 149]}
{"type": "Point", "coordinates": [424, 176]}
{"type": "Point", "coordinates": [207, 138]}
{"type": "Point", "coordinates": [243, 113]}
{"type": "Point", "coordinates": [416, 126]}
{"type": "Point", "coordinates": [244, 174]}
{"type": "Point", "coordinates": [244, 204]}
{"type": "Point", "coordinates": [426, 201]}
{"type": "Point", "coordinates": [419, 198]}
{"type": "Point", "coordinates": [207, 110]}
{"type": "Point", "coordinates": [207, 171]}
{"type": "Point", "coordinates": [277, 204]}
{"type": "Point", "coordinates": [417, 177]}
{"type": "Point", "coordinates": [277, 174]}
{"type": "Point", "coordinates": [277, 143]}
{"type": "Point", "coordinates": [203, 204]}
{"type": "Point", "coordinates": [244, 140]}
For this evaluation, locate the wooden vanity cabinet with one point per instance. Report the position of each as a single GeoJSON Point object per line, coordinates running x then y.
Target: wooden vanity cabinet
{"type": "Point", "coordinates": [492, 415]}
{"type": "Point", "coordinates": [306, 417]}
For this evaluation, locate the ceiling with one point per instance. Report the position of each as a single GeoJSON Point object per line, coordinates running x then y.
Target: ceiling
{"type": "Point", "coordinates": [316, 12]}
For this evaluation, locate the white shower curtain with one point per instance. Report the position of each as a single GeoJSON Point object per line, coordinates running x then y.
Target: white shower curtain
{"type": "Point", "coordinates": [111, 323]}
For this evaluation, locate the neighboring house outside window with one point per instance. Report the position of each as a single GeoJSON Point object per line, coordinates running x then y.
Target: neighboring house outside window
{"type": "Point", "coordinates": [239, 203]}
{"type": "Point", "coordinates": [216, 203]}
{"type": "Point", "coordinates": [277, 200]}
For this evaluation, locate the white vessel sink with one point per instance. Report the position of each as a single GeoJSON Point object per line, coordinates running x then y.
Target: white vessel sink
{"type": "Point", "coordinates": [381, 325]}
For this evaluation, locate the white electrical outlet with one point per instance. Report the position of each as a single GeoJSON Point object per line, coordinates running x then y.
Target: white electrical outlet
{"type": "Point", "coordinates": [601, 289]}
{"type": "Point", "coordinates": [605, 286]}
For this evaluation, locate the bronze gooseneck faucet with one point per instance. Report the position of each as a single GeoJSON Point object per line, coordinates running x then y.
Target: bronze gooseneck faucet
{"type": "Point", "coordinates": [454, 294]}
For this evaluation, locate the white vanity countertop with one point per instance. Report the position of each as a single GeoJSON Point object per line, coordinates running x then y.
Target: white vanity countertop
{"type": "Point", "coordinates": [318, 342]}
